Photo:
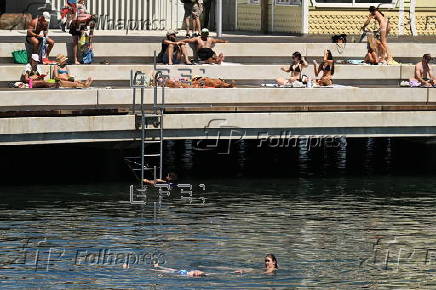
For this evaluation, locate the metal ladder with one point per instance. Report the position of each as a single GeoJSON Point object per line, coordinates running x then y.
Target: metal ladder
{"type": "Point", "coordinates": [150, 122]}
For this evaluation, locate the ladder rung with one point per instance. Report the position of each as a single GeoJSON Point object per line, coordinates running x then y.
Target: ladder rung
{"type": "Point", "coordinates": [151, 155]}
{"type": "Point", "coordinates": [145, 169]}
{"type": "Point", "coordinates": [152, 142]}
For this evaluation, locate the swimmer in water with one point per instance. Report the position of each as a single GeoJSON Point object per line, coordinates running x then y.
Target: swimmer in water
{"type": "Point", "coordinates": [192, 273]}
{"type": "Point", "coordinates": [270, 266]}
{"type": "Point", "coordinates": [170, 179]}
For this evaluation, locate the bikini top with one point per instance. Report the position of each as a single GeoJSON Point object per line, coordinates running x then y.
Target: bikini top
{"type": "Point", "coordinates": [295, 67]}
{"type": "Point", "coordinates": [62, 71]}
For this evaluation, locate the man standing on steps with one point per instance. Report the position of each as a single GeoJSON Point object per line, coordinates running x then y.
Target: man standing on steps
{"type": "Point", "coordinates": [193, 11]}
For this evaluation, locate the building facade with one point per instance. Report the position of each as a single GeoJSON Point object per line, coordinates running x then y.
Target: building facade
{"type": "Point", "coordinates": [407, 17]}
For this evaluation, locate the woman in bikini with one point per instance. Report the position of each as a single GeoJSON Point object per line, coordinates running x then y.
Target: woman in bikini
{"type": "Point", "coordinates": [385, 28]}
{"type": "Point", "coordinates": [62, 75]}
{"type": "Point", "coordinates": [295, 68]}
{"type": "Point", "coordinates": [327, 67]}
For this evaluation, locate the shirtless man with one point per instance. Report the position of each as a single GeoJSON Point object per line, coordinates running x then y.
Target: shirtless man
{"type": "Point", "coordinates": [423, 72]}
{"type": "Point", "coordinates": [384, 29]}
{"type": "Point", "coordinates": [204, 47]}
{"type": "Point", "coordinates": [34, 37]}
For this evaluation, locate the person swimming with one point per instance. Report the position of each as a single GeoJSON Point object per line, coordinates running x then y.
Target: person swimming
{"type": "Point", "coordinates": [270, 266]}
{"type": "Point", "coordinates": [187, 273]}
{"type": "Point", "coordinates": [170, 179]}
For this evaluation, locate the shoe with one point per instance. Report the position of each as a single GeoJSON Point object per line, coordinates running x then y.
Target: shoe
{"type": "Point", "coordinates": [47, 61]}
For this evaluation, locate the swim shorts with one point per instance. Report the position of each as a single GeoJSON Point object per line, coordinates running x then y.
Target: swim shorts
{"type": "Point", "coordinates": [188, 9]}
{"type": "Point", "coordinates": [205, 53]}
{"type": "Point", "coordinates": [175, 58]}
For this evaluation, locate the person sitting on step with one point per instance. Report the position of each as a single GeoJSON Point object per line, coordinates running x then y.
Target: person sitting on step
{"type": "Point", "coordinates": [62, 75]}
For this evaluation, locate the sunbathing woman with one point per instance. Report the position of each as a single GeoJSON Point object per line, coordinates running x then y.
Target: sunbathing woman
{"type": "Point", "coordinates": [327, 67]}
{"type": "Point", "coordinates": [297, 65]}
{"type": "Point", "coordinates": [62, 75]}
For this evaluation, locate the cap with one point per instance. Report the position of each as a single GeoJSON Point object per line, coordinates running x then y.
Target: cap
{"type": "Point", "coordinates": [205, 31]}
{"type": "Point", "coordinates": [171, 32]}
{"type": "Point", "coordinates": [35, 57]}
{"type": "Point", "coordinates": [46, 16]}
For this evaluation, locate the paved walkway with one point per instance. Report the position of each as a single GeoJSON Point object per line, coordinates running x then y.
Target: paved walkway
{"type": "Point", "coordinates": [120, 36]}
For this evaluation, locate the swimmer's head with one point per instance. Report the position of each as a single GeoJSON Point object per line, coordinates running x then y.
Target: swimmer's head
{"type": "Point", "coordinates": [171, 177]}
{"type": "Point", "coordinates": [271, 262]}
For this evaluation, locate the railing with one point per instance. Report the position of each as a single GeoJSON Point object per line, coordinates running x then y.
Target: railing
{"type": "Point", "coordinates": [133, 14]}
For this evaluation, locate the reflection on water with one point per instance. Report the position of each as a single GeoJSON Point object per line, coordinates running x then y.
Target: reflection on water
{"type": "Point", "coordinates": [352, 217]}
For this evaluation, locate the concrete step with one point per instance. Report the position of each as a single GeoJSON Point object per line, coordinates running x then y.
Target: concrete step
{"type": "Point", "coordinates": [145, 51]}
{"type": "Point", "coordinates": [9, 73]}
{"type": "Point", "coordinates": [50, 99]}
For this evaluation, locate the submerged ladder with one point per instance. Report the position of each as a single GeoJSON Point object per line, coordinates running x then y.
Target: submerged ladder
{"type": "Point", "coordinates": [150, 163]}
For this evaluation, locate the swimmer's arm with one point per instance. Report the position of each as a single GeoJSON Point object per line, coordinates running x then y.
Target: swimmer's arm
{"type": "Point", "coordinates": [304, 63]}
{"type": "Point", "coordinates": [285, 69]}
{"type": "Point", "coordinates": [163, 269]}
{"type": "Point", "coordinates": [149, 182]}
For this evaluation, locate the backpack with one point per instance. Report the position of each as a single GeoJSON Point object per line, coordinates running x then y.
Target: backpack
{"type": "Point", "coordinates": [88, 56]}
{"type": "Point", "coordinates": [20, 56]}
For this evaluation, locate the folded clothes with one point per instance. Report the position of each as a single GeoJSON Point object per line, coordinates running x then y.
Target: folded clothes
{"type": "Point", "coordinates": [355, 61]}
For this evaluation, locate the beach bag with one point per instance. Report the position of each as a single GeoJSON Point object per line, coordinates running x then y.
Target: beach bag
{"type": "Point", "coordinates": [88, 56]}
{"type": "Point", "coordinates": [20, 56]}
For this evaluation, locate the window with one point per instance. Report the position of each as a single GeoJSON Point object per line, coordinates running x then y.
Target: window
{"type": "Point", "coordinates": [354, 3]}
{"type": "Point", "coordinates": [288, 2]}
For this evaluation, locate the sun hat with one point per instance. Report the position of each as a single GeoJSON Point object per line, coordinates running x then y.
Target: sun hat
{"type": "Point", "coordinates": [60, 58]}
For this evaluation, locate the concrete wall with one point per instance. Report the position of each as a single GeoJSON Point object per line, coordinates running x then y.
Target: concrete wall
{"type": "Point", "coordinates": [98, 98]}
{"type": "Point", "coordinates": [282, 18]}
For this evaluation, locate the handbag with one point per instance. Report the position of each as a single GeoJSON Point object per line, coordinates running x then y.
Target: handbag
{"type": "Point", "coordinates": [20, 56]}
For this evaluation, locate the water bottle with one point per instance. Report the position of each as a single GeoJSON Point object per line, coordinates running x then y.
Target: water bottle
{"type": "Point", "coordinates": [309, 83]}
